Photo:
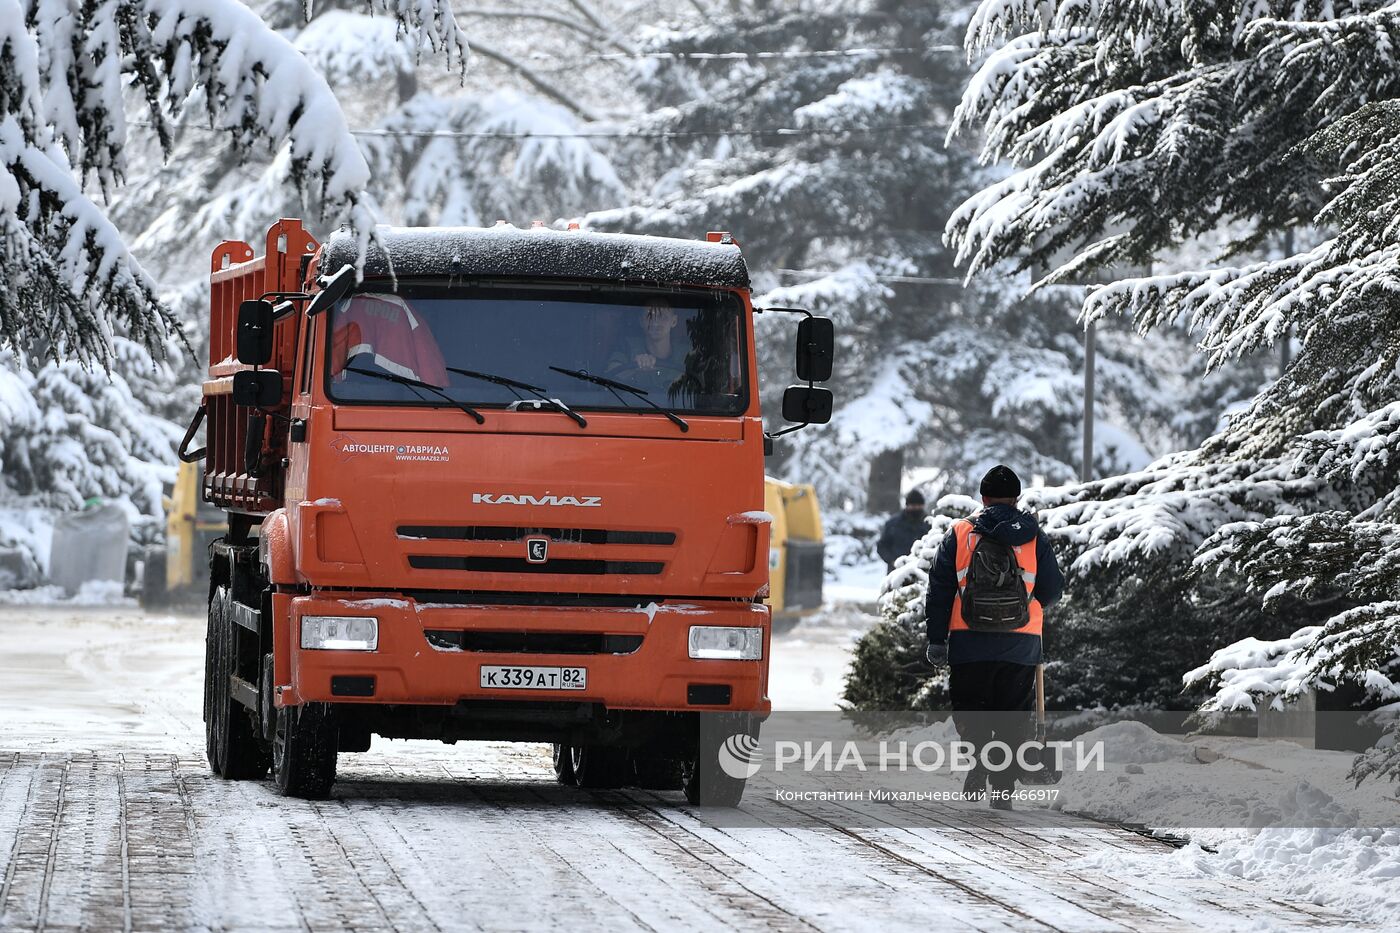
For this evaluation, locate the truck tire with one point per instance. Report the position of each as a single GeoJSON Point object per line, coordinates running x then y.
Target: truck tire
{"type": "Point", "coordinates": [230, 742]}
{"type": "Point", "coordinates": [705, 782]}
{"type": "Point", "coordinates": [599, 767]}
{"type": "Point", "coordinates": [304, 747]}
{"type": "Point", "coordinates": [707, 786]}
{"type": "Point", "coordinates": [564, 765]}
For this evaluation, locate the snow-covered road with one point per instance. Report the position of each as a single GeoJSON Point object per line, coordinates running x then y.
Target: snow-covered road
{"type": "Point", "coordinates": [109, 820]}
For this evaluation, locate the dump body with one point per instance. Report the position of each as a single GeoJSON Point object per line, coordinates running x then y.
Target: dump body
{"type": "Point", "coordinates": [503, 541]}
{"type": "Point", "coordinates": [237, 274]}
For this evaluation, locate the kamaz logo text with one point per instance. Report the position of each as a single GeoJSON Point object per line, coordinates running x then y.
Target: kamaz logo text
{"type": "Point", "coordinates": [488, 498]}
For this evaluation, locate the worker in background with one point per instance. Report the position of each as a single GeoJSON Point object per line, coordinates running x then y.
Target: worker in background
{"type": "Point", "coordinates": [992, 579]}
{"type": "Point", "coordinates": [903, 529]}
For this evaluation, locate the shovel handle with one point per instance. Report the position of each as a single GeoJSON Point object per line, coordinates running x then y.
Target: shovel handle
{"type": "Point", "coordinates": [1040, 700]}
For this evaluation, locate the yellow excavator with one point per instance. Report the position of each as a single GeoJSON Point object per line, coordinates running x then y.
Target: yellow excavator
{"type": "Point", "coordinates": [178, 571]}
{"type": "Point", "coordinates": [796, 552]}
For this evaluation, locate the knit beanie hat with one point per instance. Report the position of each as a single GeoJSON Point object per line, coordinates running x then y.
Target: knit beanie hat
{"type": "Point", "coordinates": [1001, 482]}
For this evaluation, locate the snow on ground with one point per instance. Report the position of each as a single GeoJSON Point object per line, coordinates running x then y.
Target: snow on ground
{"type": "Point", "coordinates": [1207, 789]}
{"type": "Point", "coordinates": [109, 819]}
{"type": "Point", "coordinates": [853, 571]}
{"type": "Point", "coordinates": [1179, 784]}
{"type": "Point", "coordinates": [1338, 865]}
{"type": "Point", "coordinates": [807, 669]}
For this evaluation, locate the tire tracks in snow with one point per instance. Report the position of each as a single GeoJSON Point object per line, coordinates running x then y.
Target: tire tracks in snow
{"type": "Point", "coordinates": [425, 844]}
{"type": "Point", "coordinates": [14, 815]}
{"type": "Point", "coordinates": [919, 866]}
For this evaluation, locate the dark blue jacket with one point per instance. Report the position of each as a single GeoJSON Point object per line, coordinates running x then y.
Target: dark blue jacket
{"type": "Point", "coordinates": [1012, 527]}
{"type": "Point", "coordinates": [899, 535]}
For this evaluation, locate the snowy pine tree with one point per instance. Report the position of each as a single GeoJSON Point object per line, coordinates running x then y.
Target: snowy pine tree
{"type": "Point", "coordinates": [503, 144]}
{"type": "Point", "coordinates": [831, 170]}
{"type": "Point", "coordinates": [93, 363]}
{"type": "Point", "coordinates": [69, 279]}
{"type": "Point", "coordinates": [1135, 129]}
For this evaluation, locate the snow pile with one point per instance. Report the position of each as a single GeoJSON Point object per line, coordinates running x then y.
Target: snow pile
{"type": "Point", "coordinates": [92, 593]}
{"type": "Point", "coordinates": [1342, 849]}
{"type": "Point", "coordinates": [1352, 870]}
{"type": "Point", "coordinates": [1355, 870]}
{"type": "Point", "coordinates": [1136, 743]}
{"type": "Point", "coordinates": [1213, 788]}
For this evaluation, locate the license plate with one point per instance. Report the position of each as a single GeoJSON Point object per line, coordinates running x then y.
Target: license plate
{"type": "Point", "coordinates": [534, 678]}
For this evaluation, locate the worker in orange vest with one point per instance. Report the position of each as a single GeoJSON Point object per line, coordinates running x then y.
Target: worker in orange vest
{"type": "Point", "coordinates": [992, 579]}
{"type": "Point", "coordinates": [382, 332]}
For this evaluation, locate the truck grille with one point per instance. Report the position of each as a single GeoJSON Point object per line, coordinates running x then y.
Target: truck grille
{"type": "Point", "coordinates": [534, 642]}
{"type": "Point", "coordinates": [565, 565]}
{"type": "Point", "coordinates": [520, 533]}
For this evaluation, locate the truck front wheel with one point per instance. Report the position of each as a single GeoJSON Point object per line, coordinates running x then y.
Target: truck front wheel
{"type": "Point", "coordinates": [231, 744]}
{"type": "Point", "coordinates": [724, 760]}
{"type": "Point", "coordinates": [304, 745]}
{"type": "Point", "coordinates": [707, 786]}
{"type": "Point", "coordinates": [564, 765]}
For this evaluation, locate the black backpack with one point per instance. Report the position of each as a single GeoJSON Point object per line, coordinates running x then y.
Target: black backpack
{"type": "Point", "coordinates": [994, 598]}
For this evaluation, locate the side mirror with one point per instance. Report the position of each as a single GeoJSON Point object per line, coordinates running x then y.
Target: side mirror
{"type": "Point", "coordinates": [816, 348]}
{"type": "Point", "coordinates": [807, 405]}
{"type": "Point", "coordinates": [262, 388]}
{"type": "Point", "coordinates": [255, 332]}
{"type": "Point", "coordinates": [335, 289]}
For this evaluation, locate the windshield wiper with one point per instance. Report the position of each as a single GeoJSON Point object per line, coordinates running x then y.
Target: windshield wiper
{"type": "Point", "coordinates": [514, 384]}
{"type": "Point", "coordinates": [415, 384]}
{"type": "Point", "coordinates": [612, 385]}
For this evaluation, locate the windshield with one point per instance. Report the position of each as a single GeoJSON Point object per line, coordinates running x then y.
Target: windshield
{"type": "Point", "coordinates": [684, 350]}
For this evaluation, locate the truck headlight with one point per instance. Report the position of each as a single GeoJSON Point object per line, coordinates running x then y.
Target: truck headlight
{"type": "Point", "coordinates": [340, 633]}
{"type": "Point", "coordinates": [723, 643]}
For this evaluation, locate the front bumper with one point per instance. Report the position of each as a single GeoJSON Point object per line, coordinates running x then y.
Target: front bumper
{"type": "Point", "coordinates": [408, 669]}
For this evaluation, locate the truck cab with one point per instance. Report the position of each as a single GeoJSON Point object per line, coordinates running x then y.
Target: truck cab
{"type": "Point", "coordinates": [488, 483]}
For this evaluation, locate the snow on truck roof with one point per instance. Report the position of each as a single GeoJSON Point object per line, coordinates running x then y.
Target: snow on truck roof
{"type": "Point", "coordinates": [505, 250]}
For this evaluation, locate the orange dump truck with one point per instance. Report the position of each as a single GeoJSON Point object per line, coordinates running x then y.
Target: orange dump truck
{"type": "Point", "coordinates": [508, 485]}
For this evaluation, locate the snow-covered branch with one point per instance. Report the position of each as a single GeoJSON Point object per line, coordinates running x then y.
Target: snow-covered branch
{"type": "Point", "coordinates": [536, 80]}
{"type": "Point", "coordinates": [69, 281]}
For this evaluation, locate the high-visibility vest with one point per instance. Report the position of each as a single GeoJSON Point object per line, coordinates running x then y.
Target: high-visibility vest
{"type": "Point", "coordinates": [383, 327]}
{"type": "Point", "coordinates": [1025, 556]}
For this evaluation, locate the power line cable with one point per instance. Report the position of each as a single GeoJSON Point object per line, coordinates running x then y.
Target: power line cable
{"type": "Point", "coordinates": [898, 279]}
{"type": "Point", "coordinates": [610, 134]}
{"type": "Point", "coordinates": [765, 55]}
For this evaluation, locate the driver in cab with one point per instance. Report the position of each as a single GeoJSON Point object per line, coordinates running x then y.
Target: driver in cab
{"type": "Point", "coordinates": [652, 357]}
